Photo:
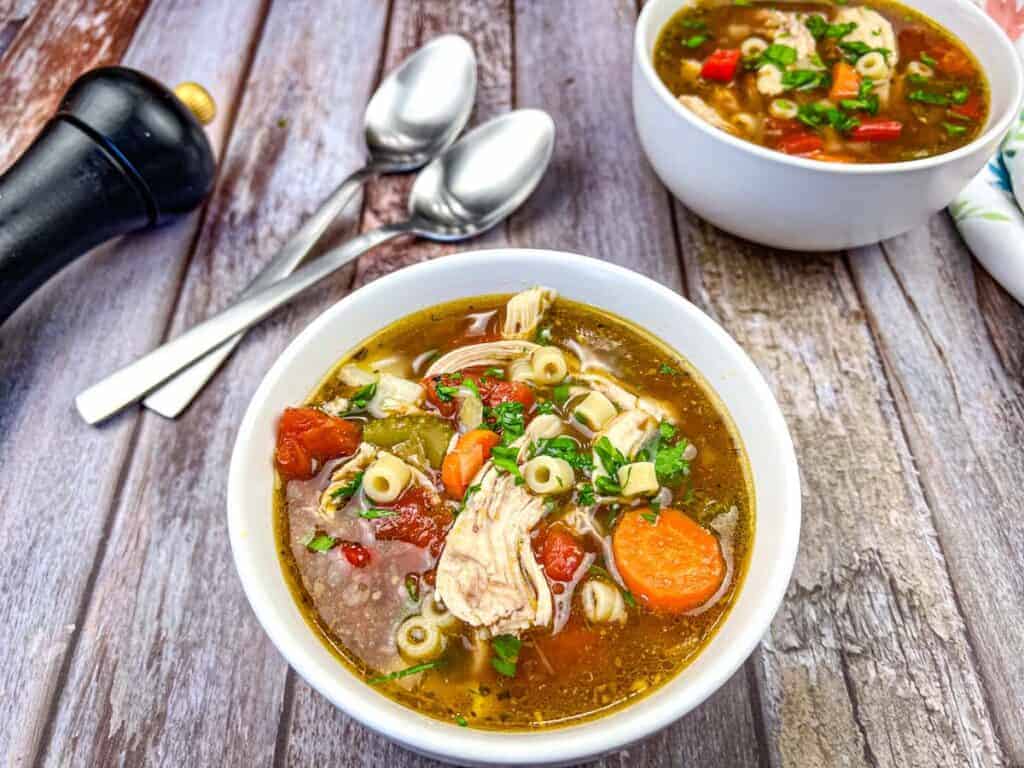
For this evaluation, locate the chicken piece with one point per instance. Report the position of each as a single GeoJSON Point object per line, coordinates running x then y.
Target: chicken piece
{"type": "Point", "coordinates": [490, 353]}
{"type": "Point", "coordinates": [627, 432]}
{"type": "Point", "coordinates": [341, 477]}
{"type": "Point", "coordinates": [872, 29]}
{"type": "Point", "coordinates": [546, 425]}
{"type": "Point", "coordinates": [487, 574]}
{"type": "Point", "coordinates": [395, 396]}
{"type": "Point", "coordinates": [525, 310]}
{"type": "Point", "coordinates": [707, 113]}
{"type": "Point", "coordinates": [625, 400]}
{"type": "Point", "coordinates": [792, 31]}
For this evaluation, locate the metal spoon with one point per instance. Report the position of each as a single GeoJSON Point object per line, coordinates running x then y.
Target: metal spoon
{"type": "Point", "coordinates": [473, 185]}
{"type": "Point", "coordinates": [418, 110]}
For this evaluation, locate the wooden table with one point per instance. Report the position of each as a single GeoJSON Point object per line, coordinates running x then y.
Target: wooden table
{"type": "Point", "coordinates": [124, 634]}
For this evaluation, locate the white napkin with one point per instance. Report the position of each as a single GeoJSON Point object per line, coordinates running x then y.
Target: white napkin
{"type": "Point", "coordinates": [990, 211]}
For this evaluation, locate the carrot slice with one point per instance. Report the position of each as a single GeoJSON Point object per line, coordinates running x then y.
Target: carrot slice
{"type": "Point", "coordinates": [672, 565]}
{"type": "Point", "coordinates": [459, 466]}
{"type": "Point", "coordinates": [845, 82]}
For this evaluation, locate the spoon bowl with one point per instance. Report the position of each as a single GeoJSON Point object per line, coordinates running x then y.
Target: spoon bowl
{"type": "Point", "coordinates": [483, 178]}
{"type": "Point", "coordinates": [414, 115]}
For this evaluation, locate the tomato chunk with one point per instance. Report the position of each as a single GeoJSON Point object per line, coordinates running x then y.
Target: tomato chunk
{"type": "Point", "coordinates": [305, 434]}
{"type": "Point", "coordinates": [721, 65]}
{"type": "Point", "coordinates": [415, 520]}
{"type": "Point", "coordinates": [355, 553]}
{"type": "Point", "coordinates": [510, 392]}
{"type": "Point", "coordinates": [560, 553]}
{"type": "Point", "coordinates": [970, 108]}
{"type": "Point", "coordinates": [801, 143]}
{"type": "Point", "coordinates": [877, 129]}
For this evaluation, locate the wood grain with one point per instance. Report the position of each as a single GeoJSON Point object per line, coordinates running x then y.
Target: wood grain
{"type": "Point", "coordinates": [56, 344]}
{"type": "Point", "coordinates": [601, 199]}
{"type": "Point", "coordinates": [60, 40]}
{"type": "Point", "coordinates": [13, 14]}
{"type": "Point", "coordinates": [868, 662]}
{"type": "Point", "coordinates": [958, 390]}
{"type": "Point", "coordinates": [167, 607]}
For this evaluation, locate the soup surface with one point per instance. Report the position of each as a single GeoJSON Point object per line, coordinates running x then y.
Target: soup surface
{"type": "Point", "coordinates": [854, 82]}
{"type": "Point", "coordinates": [513, 513]}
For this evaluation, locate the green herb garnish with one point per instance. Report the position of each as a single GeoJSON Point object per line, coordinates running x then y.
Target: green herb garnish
{"type": "Point", "coordinates": [960, 95]}
{"type": "Point", "coordinates": [405, 672]}
{"type": "Point", "coordinates": [461, 721]}
{"type": "Point", "coordinates": [348, 490]}
{"type": "Point", "coordinates": [866, 100]}
{"type": "Point", "coordinates": [507, 418]}
{"type": "Point", "coordinates": [669, 464]}
{"type": "Point", "coordinates": [628, 597]}
{"type": "Point", "coordinates": [445, 393]}
{"type": "Point", "coordinates": [805, 79]}
{"type": "Point", "coordinates": [362, 397]}
{"type": "Point", "coordinates": [563, 447]}
{"type": "Point", "coordinates": [696, 41]}
{"type": "Point", "coordinates": [610, 456]}
{"type": "Point", "coordinates": [955, 130]}
{"type": "Point", "coordinates": [926, 59]}
{"type": "Point", "coordinates": [666, 430]}
{"type": "Point", "coordinates": [543, 335]}
{"type": "Point", "coordinates": [376, 513]}
{"type": "Point", "coordinates": [854, 50]}
{"type": "Point", "coordinates": [561, 393]}
{"type": "Point", "coordinates": [496, 373]}
{"type": "Point", "coordinates": [320, 542]}
{"type": "Point", "coordinates": [506, 654]}
{"type": "Point", "coordinates": [821, 29]}
{"type": "Point", "coordinates": [545, 406]}
{"type": "Point", "coordinates": [779, 55]}
{"type": "Point", "coordinates": [412, 587]}
{"type": "Point", "coordinates": [504, 458]}
{"type": "Point", "coordinates": [936, 99]}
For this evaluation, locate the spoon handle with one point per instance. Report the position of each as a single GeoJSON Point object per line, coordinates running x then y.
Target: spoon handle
{"type": "Point", "coordinates": [132, 382]}
{"type": "Point", "coordinates": [175, 395]}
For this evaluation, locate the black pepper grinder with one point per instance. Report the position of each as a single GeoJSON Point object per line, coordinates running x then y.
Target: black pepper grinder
{"type": "Point", "coordinates": [123, 153]}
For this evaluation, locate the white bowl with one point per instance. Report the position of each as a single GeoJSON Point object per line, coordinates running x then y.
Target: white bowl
{"type": "Point", "coordinates": [796, 203]}
{"type": "Point", "coordinates": [724, 365]}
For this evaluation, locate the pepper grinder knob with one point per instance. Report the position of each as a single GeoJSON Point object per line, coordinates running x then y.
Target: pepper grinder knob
{"type": "Point", "coordinates": [123, 153]}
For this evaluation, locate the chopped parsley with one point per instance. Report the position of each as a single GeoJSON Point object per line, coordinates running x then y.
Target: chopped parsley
{"type": "Point", "coordinates": [561, 393]}
{"type": "Point", "coordinates": [667, 370]}
{"type": "Point", "coordinates": [445, 392]}
{"type": "Point", "coordinates": [496, 373]}
{"type": "Point", "coordinates": [545, 406]}
{"type": "Point", "coordinates": [669, 464]}
{"type": "Point", "coordinates": [955, 130]}
{"type": "Point", "coordinates": [816, 115]}
{"type": "Point", "coordinates": [347, 491]}
{"type": "Point", "coordinates": [926, 59]}
{"type": "Point", "coordinates": [461, 721]}
{"type": "Point", "coordinates": [405, 672]}
{"type": "Point", "coordinates": [960, 95]}
{"type": "Point", "coordinates": [585, 495]}
{"type": "Point", "coordinates": [320, 542]}
{"type": "Point", "coordinates": [376, 513]}
{"type": "Point", "coordinates": [821, 29]}
{"type": "Point", "coordinates": [563, 447]}
{"type": "Point", "coordinates": [666, 430]}
{"type": "Point", "coordinates": [506, 654]}
{"type": "Point", "coordinates": [694, 24]}
{"type": "Point", "coordinates": [925, 97]}
{"type": "Point", "coordinates": [805, 79]}
{"type": "Point", "coordinates": [696, 41]}
{"type": "Point", "coordinates": [504, 458]}
{"type": "Point", "coordinates": [507, 418]}
{"type": "Point", "coordinates": [855, 49]}
{"type": "Point", "coordinates": [652, 515]}
{"type": "Point", "coordinates": [543, 335]}
{"type": "Point", "coordinates": [628, 597]}
{"type": "Point", "coordinates": [465, 497]}
{"type": "Point", "coordinates": [866, 99]}
{"type": "Point", "coordinates": [471, 386]}
{"type": "Point", "coordinates": [779, 55]}
{"type": "Point", "coordinates": [362, 397]}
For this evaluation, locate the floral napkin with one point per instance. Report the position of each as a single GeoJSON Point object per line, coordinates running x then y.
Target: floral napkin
{"type": "Point", "coordinates": [990, 211]}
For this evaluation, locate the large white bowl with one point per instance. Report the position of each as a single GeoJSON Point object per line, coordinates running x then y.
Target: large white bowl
{"type": "Point", "coordinates": [725, 366]}
{"type": "Point", "coordinates": [796, 203]}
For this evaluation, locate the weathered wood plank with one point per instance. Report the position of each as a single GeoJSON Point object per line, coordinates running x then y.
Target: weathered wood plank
{"type": "Point", "coordinates": [167, 607]}
{"type": "Point", "coordinates": [867, 662]}
{"type": "Point", "coordinates": [60, 40]}
{"type": "Point", "coordinates": [957, 385]}
{"type": "Point", "coordinates": [13, 14]}
{"type": "Point", "coordinates": [488, 27]}
{"type": "Point", "coordinates": [316, 732]}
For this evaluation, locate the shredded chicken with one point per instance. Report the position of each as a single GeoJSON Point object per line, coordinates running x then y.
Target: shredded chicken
{"type": "Point", "coordinates": [395, 396]}
{"type": "Point", "coordinates": [489, 353]}
{"type": "Point", "coordinates": [342, 476]}
{"type": "Point", "coordinates": [872, 29]}
{"type": "Point", "coordinates": [525, 310]}
{"type": "Point", "coordinates": [625, 400]}
{"type": "Point", "coordinates": [706, 112]}
{"type": "Point", "coordinates": [487, 574]}
{"type": "Point", "coordinates": [546, 425]}
{"type": "Point", "coordinates": [792, 31]}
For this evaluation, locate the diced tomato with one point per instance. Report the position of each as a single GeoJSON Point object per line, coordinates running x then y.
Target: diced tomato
{"type": "Point", "coordinates": [355, 553]}
{"type": "Point", "coordinates": [951, 60]}
{"type": "Point", "coordinates": [560, 553]}
{"type": "Point", "coordinates": [510, 391]}
{"type": "Point", "coordinates": [912, 40]}
{"type": "Point", "coordinates": [970, 108]}
{"type": "Point", "coordinates": [877, 129]}
{"type": "Point", "coordinates": [430, 577]}
{"type": "Point", "coordinates": [776, 128]}
{"type": "Point", "coordinates": [305, 434]}
{"type": "Point", "coordinates": [416, 520]}
{"type": "Point", "coordinates": [721, 65]}
{"type": "Point", "coordinates": [801, 143]}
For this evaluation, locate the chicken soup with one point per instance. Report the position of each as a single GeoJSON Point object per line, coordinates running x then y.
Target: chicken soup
{"type": "Point", "coordinates": [856, 82]}
{"type": "Point", "coordinates": [513, 512]}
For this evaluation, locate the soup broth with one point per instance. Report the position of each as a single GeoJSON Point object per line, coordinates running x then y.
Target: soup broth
{"type": "Point", "coordinates": [625, 550]}
{"type": "Point", "coordinates": [858, 82]}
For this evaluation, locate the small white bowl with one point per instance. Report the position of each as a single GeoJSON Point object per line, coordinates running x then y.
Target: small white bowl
{"type": "Point", "coordinates": [725, 367]}
{"type": "Point", "coordinates": [800, 204]}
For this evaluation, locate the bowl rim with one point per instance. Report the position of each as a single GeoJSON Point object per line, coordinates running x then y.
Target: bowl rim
{"type": "Point", "coordinates": [557, 745]}
{"type": "Point", "coordinates": [996, 129]}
